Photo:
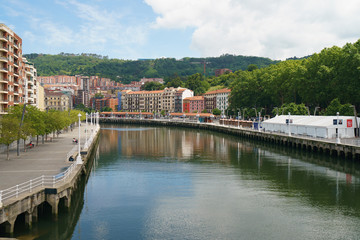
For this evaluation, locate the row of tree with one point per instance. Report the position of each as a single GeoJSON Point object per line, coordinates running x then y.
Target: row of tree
{"type": "Point", "coordinates": [334, 73]}
{"type": "Point", "coordinates": [15, 125]}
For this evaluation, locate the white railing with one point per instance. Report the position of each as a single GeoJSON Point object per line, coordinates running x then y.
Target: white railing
{"type": "Point", "coordinates": [42, 181]}
{"type": "Point", "coordinates": [72, 151]}
{"type": "Point", "coordinates": [91, 138]}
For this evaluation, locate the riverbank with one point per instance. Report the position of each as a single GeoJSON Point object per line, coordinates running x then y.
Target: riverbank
{"type": "Point", "coordinates": [43, 173]}
{"type": "Point", "coordinates": [329, 147]}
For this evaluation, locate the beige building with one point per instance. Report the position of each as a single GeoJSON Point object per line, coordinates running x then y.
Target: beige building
{"type": "Point", "coordinates": [40, 103]}
{"type": "Point", "coordinates": [30, 83]}
{"type": "Point", "coordinates": [56, 101]}
{"type": "Point", "coordinates": [154, 101]}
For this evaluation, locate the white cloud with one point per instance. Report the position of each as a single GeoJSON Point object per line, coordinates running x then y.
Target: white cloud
{"type": "Point", "coordinates": [100, 29]}
{"type": "Point", "coordinates": [276, 29]}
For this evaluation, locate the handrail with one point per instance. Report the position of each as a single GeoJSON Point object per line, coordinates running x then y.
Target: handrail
{"type": "Point", "coordinates": [42, 181]}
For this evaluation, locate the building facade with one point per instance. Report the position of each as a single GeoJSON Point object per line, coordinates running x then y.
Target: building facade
{"type": "Point", "coordinates": [217, 99]}
{"type": "Point", "coordinates": [195, 104]}
{"type": "Point", "coordinates": [11, 69]}
{"type": "Point", "coordinates": [56, 101]}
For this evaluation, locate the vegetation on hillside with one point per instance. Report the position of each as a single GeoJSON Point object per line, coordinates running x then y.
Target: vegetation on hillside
{"type": "Point", "coordinates": [129, 70]}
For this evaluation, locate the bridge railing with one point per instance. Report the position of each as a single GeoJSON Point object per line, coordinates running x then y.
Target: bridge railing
{"type": "Point", "coordinates": [42, 181]}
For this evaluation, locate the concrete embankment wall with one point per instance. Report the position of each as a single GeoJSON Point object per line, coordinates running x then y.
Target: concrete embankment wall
{"type": "Point", "coordinates": [309, 144]}
{"type": "Point", "coordinates": [27, 203]}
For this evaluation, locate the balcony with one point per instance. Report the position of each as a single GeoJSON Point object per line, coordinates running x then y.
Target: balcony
{"type": "Point", "coordinates": [2, 49]}
{"type": "Point", "coordinates": [3, 38]}
{"type": "Point", "coordinates": [15, 55]}
{"type": "Point", "coordinates": [4, 59]}
{"type": "Point", "coordinates": [3, 90]}
{"type": "Point", "coordinates": [16, 74]}
{"type": "Point", "coordinates": [3, 80]}
{"type": "Point", "coordinates": [16, 46]}
{"type": "Point", "coordinates": [4, 70]}
{"type": "Point", "coordinates": [3, 100]}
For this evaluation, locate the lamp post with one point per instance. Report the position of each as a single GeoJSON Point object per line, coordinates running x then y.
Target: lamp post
{"type": "Point", "coordinates": [316, 108]}
{"type": "Point", "coordinates": [289, 125]}
{"type": "Point", "coordinates": [86, 115]}
{"type": "Point", "coordinates": [277, 111]}
{"type": "Point", "coordinates": [259, 121]}
{"type": "Point", "coordinates": [356, 121]}
{"type": "Point", "coordinates": [337, 128]}
{"type": "Point", "coordinates": [78, 159]}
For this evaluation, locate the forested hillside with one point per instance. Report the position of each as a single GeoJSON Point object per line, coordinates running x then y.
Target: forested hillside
{"type": "Point", "coordinates": [129, 70]}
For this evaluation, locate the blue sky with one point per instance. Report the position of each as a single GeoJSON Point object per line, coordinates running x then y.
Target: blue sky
{"type": "Point", "coordinates": [132, 29]}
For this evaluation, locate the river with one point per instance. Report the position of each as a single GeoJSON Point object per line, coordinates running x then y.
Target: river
{"type": "Point", "coordinates": [166, 183]}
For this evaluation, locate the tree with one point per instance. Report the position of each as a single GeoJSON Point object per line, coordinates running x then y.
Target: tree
{"type": "Point", "coordinates": [252, 67]}
{"type": "Point", "coordinates": [216, 111]}
{"type": "Point", "coordinates": [197, 84]}
{"type": "Point", "coordinates": [106, 109]}
{"type": "Point", "coordinates": [9, 130]}
{"type": "Point", "coordinates": [204, 111]}
{"type": "Point", "coordinates": [152, 86]}
{"type": "Point", "coordinates": [336, 107]}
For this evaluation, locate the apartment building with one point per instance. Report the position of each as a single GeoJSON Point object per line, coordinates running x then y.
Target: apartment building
{"type": "Point", "coordinates": [100, 103]}
{"type": "Point", "coordinates": [217, 99]}
{"type": "Point", "coordinates": [168, 100]}
{"type": "Point", "coordinates": [222, 71]}
{"type": "Point", "coordinates": [57, 101]}
{"type": "Point", "coordinates": [11, 69]}
{"type": "Point", "coordinates": [31, 84]}
{"type": "Point", "coordinates": [194, 104]}
{"type": "Point", "coordinates": [180, 95]}
{"type": "Point", "coordinates": [222, 99]}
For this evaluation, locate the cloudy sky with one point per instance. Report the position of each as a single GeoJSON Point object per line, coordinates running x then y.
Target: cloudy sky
{"type": "Point", "coordinates": [132, 29]}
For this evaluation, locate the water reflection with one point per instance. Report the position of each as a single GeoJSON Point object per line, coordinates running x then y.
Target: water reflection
{"type": "Point", "coordinates": [323, 181]}
{"type": "Point", "coordinates": [165, 183]}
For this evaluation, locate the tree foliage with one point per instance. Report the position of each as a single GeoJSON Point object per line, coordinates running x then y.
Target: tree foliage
{"type": "Point", "coordinates": [314, 81]}
{"type": "Point", "coordinates": [130, 70]}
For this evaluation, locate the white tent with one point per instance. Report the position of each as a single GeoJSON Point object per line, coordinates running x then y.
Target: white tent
{"type": "Point", "coordinates": [313, 126]}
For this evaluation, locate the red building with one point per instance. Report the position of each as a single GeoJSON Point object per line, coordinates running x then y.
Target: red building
{"type": "Point", "coordinates": [222, 71]}
{"type": "Point", "coordinates": [100, 103]}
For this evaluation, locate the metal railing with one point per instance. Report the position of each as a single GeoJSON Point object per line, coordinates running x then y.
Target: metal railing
{"type": "Point", "coordinates": [91, 138]}
{"type": "Point", "coordinates": [29, 186]}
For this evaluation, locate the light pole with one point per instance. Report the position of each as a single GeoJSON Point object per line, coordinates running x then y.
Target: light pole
{"type": "Point", "coordinates": [78, 159]}
{"type": "Point", "coordinates": [337, 128]}
{"type": "Point", "coordinates": [277, 111]}
{"type": "Point", "coordinates": [289, 125]}
{"type": "Point", "coordinates": [86, 127]}
{"type": "Point", "coordinates": [356, 121]}
{"type": "Point", "coordinates": [316, 108]}
{"type": "Point", "coordinates": [259, 121]}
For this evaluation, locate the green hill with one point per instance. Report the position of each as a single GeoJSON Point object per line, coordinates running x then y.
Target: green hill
{"type": "Point", "coordinates": [130, 70]}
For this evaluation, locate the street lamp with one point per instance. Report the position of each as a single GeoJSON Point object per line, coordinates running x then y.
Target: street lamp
{"type": "Point", "coordinates": [78, 159]}
{"type": "Point", "coordinates": [289, 125]}
{"type": "Point", "coordinates": [356, 121]}
{"type": "Point", "coordinates": [86, 115]}
{"type": "Point", "coordinates": [337, 128]}
{"type": "Point", "coordinates": [316, 108]}
{"type": "Point", "coordinates": [277, 111]}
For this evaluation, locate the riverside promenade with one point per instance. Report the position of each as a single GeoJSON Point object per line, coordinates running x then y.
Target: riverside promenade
{"type": "Point", "coordinates": [49, 158]}
{"type": "Point", "coordinates": [43, 174]}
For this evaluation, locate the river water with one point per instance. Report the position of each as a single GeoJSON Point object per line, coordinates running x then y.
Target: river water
{"type": "Point", "coordinates": [165, 183]}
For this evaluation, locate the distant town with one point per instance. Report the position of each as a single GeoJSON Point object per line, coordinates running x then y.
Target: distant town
{"type": "Point", "coordinates": [20, 84]}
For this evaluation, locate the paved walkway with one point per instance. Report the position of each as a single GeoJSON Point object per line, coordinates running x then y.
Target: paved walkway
{"type": "Point", "coordinates": [45, 159]}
